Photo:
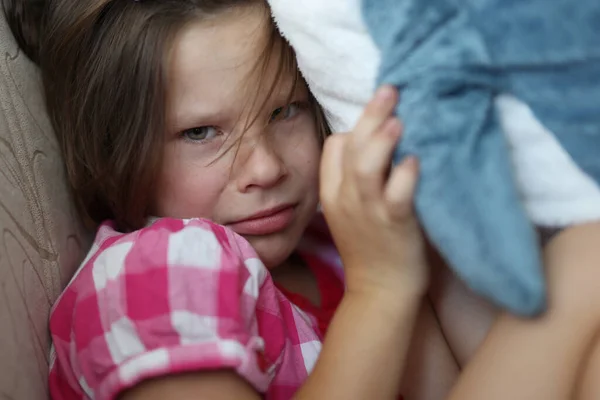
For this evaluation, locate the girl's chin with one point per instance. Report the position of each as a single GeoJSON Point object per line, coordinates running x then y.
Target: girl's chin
{"type": "Point", "coordinates": [272, 251]}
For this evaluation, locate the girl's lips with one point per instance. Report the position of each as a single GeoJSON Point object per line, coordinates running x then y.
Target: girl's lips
{"type": "Point", "coordinates": [265, 223]}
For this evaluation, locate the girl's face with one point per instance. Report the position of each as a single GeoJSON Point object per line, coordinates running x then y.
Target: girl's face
{"type": "Point", "coordinates": [265, 187]}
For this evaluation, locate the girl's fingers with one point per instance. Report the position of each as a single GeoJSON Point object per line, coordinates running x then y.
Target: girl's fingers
{"type": "Point", "coordinates": [332, 168]}
{"type": "Point", "coordinates": [373, 161]}
{"type": "Point", "coordinates": [355, 165]}
{"type": "Point", "coordinates": [376, 113]}
{"type": "Point", "coordinates": [400, 189]}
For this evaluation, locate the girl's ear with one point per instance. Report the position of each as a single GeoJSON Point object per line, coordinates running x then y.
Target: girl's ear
{"type": "Point", "coordinates": [25, 19]}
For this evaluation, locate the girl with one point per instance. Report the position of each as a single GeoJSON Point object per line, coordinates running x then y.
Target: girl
{"type": "Point", "coordinates": [186, 125]}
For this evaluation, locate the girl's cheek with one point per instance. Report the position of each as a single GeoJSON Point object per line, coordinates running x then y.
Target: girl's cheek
{"type": "Point", "coordinates": [302, 130]}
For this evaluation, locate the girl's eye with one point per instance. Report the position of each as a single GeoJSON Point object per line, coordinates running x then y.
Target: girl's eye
{"type": "Point", "coordinates": [285, 113]}
{"type": "Point", "coordinates": [201, 133]}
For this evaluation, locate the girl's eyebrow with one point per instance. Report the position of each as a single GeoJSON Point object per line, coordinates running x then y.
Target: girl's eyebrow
{"type": "Point", "coordinates": [192, 115]}
{"type": "Point", "coordinates": [201, 112]}
{"type": "Point", "coordinates": [279, 97]}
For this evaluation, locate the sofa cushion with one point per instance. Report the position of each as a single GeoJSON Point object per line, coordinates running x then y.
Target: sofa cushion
{"type": "Point", "coordinates": [41, 239]}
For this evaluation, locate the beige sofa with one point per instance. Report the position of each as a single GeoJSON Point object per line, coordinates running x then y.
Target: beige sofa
{"type": "Point", "coordinates": [41, 239]}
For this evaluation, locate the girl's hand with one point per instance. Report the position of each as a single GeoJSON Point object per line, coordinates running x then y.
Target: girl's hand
{"type": "Point", "coordinates": [369, 208]}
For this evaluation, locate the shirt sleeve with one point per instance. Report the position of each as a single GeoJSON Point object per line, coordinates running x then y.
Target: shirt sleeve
{"type": "Point", "coordinates": [166, 299]}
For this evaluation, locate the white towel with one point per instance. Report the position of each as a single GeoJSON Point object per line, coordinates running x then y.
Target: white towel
{"type": "Point", "coordinates": [335, 54]}
{"type": "Point", "coordinates": [555, 191]}
{"type": "Point", "coordinates": [339, 61]}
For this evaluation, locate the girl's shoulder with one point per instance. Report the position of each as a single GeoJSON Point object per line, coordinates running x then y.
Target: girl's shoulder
{"type": "Point", "coordinates": [176, 295]}
{"type": "Point", "coordinates": [163, 243]}
{"type": "Point", "coordinates": [167, 237]}
{"type": "Point", "coordinates": [169, 248]}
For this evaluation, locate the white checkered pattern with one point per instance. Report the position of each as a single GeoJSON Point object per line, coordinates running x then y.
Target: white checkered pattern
{"type": "Point", "coordinates": [176, 296]}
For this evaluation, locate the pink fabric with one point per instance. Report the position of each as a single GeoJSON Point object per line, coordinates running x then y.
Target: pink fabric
{"type": "Point", "coordinates": [331, 290]}
{"type": "Point", "coordinates": [178, 296]}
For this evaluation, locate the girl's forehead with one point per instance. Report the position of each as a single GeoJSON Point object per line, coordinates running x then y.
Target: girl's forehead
{"type": "Point", "coordinates": [215, 66]}
{"type": "Point", "coordinates": [231, 40]}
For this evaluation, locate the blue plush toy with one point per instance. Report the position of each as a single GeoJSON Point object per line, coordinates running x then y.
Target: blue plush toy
{"type": "Point", "coordinates": [501, 103]}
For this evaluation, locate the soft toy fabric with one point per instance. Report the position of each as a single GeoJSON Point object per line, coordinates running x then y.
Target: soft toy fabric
{"type": "Point", "coordinates": [481, 82]}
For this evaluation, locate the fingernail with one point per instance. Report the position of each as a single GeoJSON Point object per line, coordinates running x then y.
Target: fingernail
{"type": "Point", "coordinates": [413, 162]}
{"type": "Point", "coordinates": [384, 94]}
{"type": "Point", "coordinates": [394, 127]}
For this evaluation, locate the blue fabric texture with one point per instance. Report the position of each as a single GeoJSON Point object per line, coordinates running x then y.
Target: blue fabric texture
{"type": "Point", "coordinates": [450, 58]}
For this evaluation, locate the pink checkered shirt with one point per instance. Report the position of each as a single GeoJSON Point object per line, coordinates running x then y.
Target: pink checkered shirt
{"type": "Point", "coordinates": [178, 296]}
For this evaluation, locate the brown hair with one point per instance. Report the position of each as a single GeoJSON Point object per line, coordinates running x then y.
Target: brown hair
{"type": "Point", "coordinates": [104, 73]}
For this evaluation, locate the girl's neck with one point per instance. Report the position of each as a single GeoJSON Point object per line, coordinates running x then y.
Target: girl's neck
{"type": "Point", "coordinates": [295, 276]}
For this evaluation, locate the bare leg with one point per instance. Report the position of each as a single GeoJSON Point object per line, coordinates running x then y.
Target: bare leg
{"type": "Point", "coordinates": [544, 358]}
{"type": "Point", "coordinates": [465, 318]}
{"type": "Point", "coordinates": [589, 388]}
{"type": "Point", "coordinates": [431, 370]}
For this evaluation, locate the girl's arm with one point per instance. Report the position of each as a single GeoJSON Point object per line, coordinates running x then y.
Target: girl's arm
{"type": "Point", "coordinates": [365, 351]}
{"type": "Point", "coordinates": [215, 385]}
{"type": "Point", "coordinates": [361, 359]}
{"type": "Point", "coordinates": [544, 358]}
